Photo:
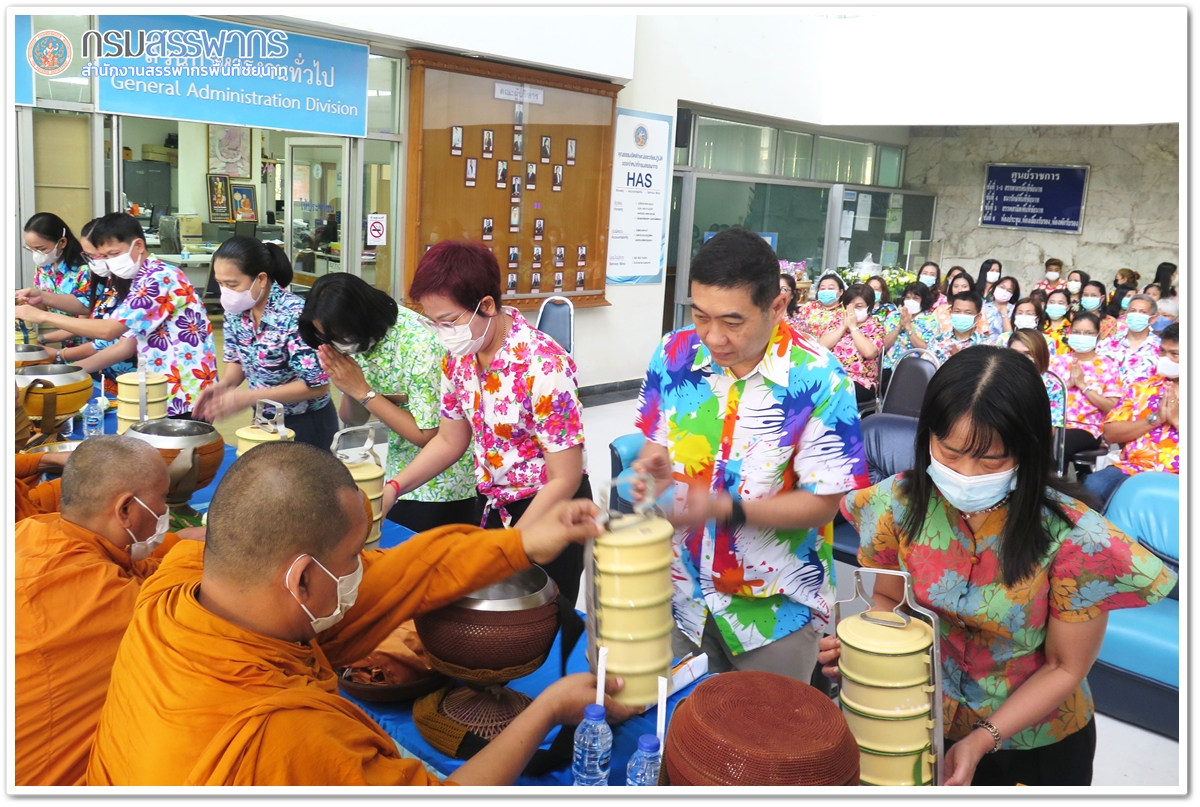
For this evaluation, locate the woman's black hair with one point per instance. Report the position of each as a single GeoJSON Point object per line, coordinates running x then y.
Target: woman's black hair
{"type": "Point", "coordinates": [1000, 394]}
{"type": "Point", "coordinates": [885, 296]}
{"type": "Point", "coordinates": [1089, 316]}
{"type": "Point", "coordinates": [252, 258]}
{"type": "Point", "coordinates": [922, 291]}
{"type": "Point", "coordinates": [1162, 276]}
{"type": "Point", "coordinates": [1084, 277]}
{"type": "Point", "coordinates": [349, 310]}
{"type": "Point", "coordinates": [1016, 287]}
{"type": "Point", "coordinates": [100, 284]}
{"type": "Point", "coordinates": [1063, 292]}
{"type": "Point", "coordinates": [937, 282]}
{"type": "Point", "coordinates": [952, 276]}
{"type": "Point", "coordinates": [792, 306]}
{"type": "Point", "coordinates": [859, 291]}
{"type": "Point", "coordinates": [53, 229]}
{"type": "Point", "coordinates": [984, 268]}
{"type": "Point", "coordinates": [1113, 309]}
{"type": "Point", "coordinates": [834, 276]}
{"type": "Point", "coordinates": [1043, 320]}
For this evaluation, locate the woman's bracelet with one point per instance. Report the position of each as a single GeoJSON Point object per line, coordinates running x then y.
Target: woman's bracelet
{"type": "Point", "coordinates": [392, 483]}
{"type": "Point", "coordinates": [995, 732]}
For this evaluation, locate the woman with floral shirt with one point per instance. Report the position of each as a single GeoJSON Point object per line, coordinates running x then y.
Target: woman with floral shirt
{"type": "Point", "coordinates": [263, 345]}
{"type": "Point", "coordinates": [1058, 323]}
{"type": "Point", "coordinates": [61, 273]}
{"type": "Point", "coordinates": [913, 328]}
{"type": "Point", "coordinates": [1030, 343]}
{"type": "Point", "coordinates": [1093, 385]}
{"type": "Point", "coordinates": [1020, 571]}
{"type": "Point", "coordinates": [389, 367]}
{"type": "Point", "coordinates": [819, 316]}
{"type": "Point", "coordinates": [856, 339]}
{"type": "Point", "coordinates": [510, 387]}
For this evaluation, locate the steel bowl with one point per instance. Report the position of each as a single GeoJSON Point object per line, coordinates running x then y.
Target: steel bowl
{"type": "Point", "coordinates": [174, 434]}
{"type": "Point", "coordinates": [53, 448]}
{"type": "Point", "coordinates": [58, 374]}
{"type": "Point", "coordinates": [32, 353]}
{"type": "Point", "coordinates": [531, 588]}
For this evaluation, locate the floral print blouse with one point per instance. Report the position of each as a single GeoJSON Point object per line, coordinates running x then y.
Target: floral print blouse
{"type": "Point", "coordinates": [815, 319]}
{"type": "Point", "coordinates": [58, 278]}
{"type": "Point", "coordinates": [940, 344]}
{"type": "Point", "coordinates": [1101, 373]}
{"type": "Point", "coordinates": [408, 360]}
{"type": "Point", "coordinates": [791, 424]}
{"type": "Point", "coordinates": [1136, 364]}
{"type": "Point", "coordinates": [1058, 337]}
{"type": "Point", "coordinates": [997, 323]}
{"type": "Point", "coordinates": [1158, 449]}
{"type": "Point", "coordinates": [993, 636]}
{"type": "Point", "coordinates": [164, 313]}
{"type": "Point", "coordinates": [926, 326]}
{"type": "Point", "coordinates": [106, 303]}
{"type": "Point", "coordinates": [273, 354]}
{"type": "Point", "coordinates": [525, 405]}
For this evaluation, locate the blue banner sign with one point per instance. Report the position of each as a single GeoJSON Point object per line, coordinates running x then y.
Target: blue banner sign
{"type": "Point", "coordinates": [770, 238]}
{"type": "Point", "coordinates": [194, 69]}
{"type": "Point", "coordinates": [1034, 197]}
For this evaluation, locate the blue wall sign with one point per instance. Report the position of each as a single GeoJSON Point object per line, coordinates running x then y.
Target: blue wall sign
{"type": "Point", "coordinates": [23, 70]}
{"type": "Point", "coordinates": [770, 238]}
{"type": "Point", "coordinates": [193, 69]}
{"type": "Point", "coordinates": [1034, 197]}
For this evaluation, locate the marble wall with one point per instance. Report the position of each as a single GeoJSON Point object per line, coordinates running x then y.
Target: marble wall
{"type": "Point", "coordinates": [1131, 213]}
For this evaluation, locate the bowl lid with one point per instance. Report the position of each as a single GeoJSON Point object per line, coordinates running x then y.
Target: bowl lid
{"type": "Point", "coordinates": [530, 588]}
{"type": "Point", "coordinates": [131, 379]}
{"type": "Point", "coordinates": [255, 434]}
{"type": "Point", "coordinates": [893, 639]}
{"type": "Point", "coordinates": [167, 433]}
{"type": "Point", "coordinates": [59, 375]}
{"type": "Point", "coordinates": [634, 530]}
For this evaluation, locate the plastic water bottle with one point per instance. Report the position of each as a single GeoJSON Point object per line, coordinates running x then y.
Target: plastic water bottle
{"type": "Point", "coordinates": [593, 748]}
{"type": "Point", "coordinates": [643, 765]}
{"type": "Point", "coordinates": [93, 419]}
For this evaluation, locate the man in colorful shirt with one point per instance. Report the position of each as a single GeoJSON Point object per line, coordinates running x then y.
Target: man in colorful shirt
{"type": "Point", "coordinates": [759, 427]}
{"type": "Point", "coordinates": [964, 312]}
{"type": "Point", "coordinates": [1053, 280]}
{"type": "Point", "coordinates": [1145, 422]}
{"type": "Point", "coordinates": [1134, 347]}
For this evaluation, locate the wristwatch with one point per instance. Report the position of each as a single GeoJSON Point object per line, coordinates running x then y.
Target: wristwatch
{"type": "Point", "coordinates": [370, 395]}
{"type": "Point", "coordinates": [737, 516]}
{"type": "Point", "coordinates": [1153, 419]}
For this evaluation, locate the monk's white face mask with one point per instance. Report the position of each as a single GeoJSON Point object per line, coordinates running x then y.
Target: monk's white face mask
{"type": "Point", "coordinates": [140, 550]}
{"type": "Point", "coordinates": [347, 589]}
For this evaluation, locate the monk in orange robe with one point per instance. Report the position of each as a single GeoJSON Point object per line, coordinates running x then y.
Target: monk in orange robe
{"type": "Point", "coordinates": [226, 674]}
{"type": "Point", "coordinates": [76, 585]}
{"type": "Point", "coordinates": [32, 498]}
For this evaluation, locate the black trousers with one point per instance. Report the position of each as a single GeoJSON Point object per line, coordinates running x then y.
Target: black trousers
{"type": "Point", "coordinates": [422, 516]}
{"type": "Point", "coordinates": [1080, 440]}
{"type": "Point", "coordinates": [1066, 763]}
{"type": "Point", "coordinates": [314, 427]}
{"type": "Point", "coordinates": [567, 568]}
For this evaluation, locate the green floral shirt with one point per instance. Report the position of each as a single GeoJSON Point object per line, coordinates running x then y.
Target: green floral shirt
{"type": "Point", "coordinates": [409, 360]}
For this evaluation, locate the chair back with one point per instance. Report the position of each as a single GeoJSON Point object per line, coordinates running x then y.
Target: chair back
{"type": "Point", "coordinates": [246, 228]}
{"type": "Point", "coordinates": [911, 376]}
{"type": "Point", "coordinates": [1146, 508]}
{"type": "Point", "coordinates": [168, 235]}
{"type": "Point", "coordinates": [1056, 387]}
{"type": "Point", "coordinates": [890, 443]}
{"type": "Point", "coordinates": [556, 319]}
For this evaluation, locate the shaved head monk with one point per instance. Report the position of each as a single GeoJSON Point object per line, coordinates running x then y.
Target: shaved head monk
{"type": "Point", "coordinates": [78, 574]}
{"type": "Point", "coordinates": [226, 674]}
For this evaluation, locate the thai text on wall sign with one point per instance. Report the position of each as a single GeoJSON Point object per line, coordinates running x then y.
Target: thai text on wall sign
{"type": "Point", "coordinates": [520, 93]}
{"type": "Point", "coordinates": [1033, 197]}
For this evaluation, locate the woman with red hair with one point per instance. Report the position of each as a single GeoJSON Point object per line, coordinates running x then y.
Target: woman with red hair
{"type": "Point", "coordinates": [507, 385]}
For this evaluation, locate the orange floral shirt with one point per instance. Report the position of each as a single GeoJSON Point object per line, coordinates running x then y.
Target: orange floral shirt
{"type": "Point", "coordinates": [1158, 449]}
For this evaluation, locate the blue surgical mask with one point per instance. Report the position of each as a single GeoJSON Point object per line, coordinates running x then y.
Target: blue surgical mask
{"type": "Point", "coordinates": [1137, 321]}
{"type": "Point", "coordinates": [962, 322]}
{"type": "Point", "coordinates": [1125, 303]}
{"type": "Point", "coordinates": [1056, 311]}
{"type": "Point", "coordinates": [928, 280]}
{"type": "Point", "coordinates": [827, 296]}
{"type": "Point", "coordinates": [1089, 303]}
{"type": "Point", "coordinates": [970, 494]}
{"type": "Point", "coordinates": [1082, 343]}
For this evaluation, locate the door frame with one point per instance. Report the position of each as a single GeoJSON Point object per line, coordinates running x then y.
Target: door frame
{"type": "Point", "coordinates": [348, 256]}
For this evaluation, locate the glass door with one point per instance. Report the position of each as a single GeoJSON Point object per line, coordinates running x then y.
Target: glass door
{"type": "Point", "coordinates": [317, 168]}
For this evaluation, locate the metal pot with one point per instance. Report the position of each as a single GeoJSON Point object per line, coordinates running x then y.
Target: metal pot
{"type": "Point", "coordinates": [29, 355]}
{"type": "Point", "coordinates": [51, 391]}
{"type": "Point", "coordinates": [192, 449]}
{"type": "Point", "coordinates": [527, 589]}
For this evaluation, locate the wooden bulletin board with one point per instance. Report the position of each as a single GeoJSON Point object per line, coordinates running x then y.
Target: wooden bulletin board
{"type": "Point", "coordinates": [453, 101]}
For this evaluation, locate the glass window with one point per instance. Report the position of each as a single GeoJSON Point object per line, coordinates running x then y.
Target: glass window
{"type": "Point", "coordinates": [69, 85]}
{"type": "Point", "coordinates": [383, 95]}
{"type": "Point", "coordinates": [795, 214]}
{"type": "Point", "coordinates": [728, 146]}
{"type": "Point", "coordinates": [845, 161]}
{"type": "Point", "coordinates": [797, 154]}
{"type": "Point", "coordinates": [897, 231]}
{"type": "Point", "coordinates": [379, 169]}
{"type": "Point", "coordinates": [891, 161]}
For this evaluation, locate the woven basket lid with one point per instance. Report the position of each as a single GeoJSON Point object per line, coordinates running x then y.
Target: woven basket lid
{"type": "Point", "coordinates": [751, 728]}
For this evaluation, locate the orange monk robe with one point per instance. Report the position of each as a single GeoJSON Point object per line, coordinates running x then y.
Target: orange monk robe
{"type": "Point", "coordinates": [34, 499]}
{"type": "Point", "coordinates": [197, 700]}
{"type": "Point", "coordinates": [75, 594]}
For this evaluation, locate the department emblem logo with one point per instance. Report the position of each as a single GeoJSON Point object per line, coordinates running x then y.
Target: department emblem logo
{"type": "Point", "coordinates": [49, 53]}
{"type": "Point", "coordinates": [640, 136]}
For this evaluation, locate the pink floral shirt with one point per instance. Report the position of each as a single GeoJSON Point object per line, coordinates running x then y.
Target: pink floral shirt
{"type": "Point", "coordinates": [815, 319]}
{"type": "Point", "coordinates": [1101, 373]}
{"type": "Point", "coordinates": [1135, 363]}
{"type": "Point", "coordinates": [523, 406]}
{"type": "Point", "coordinates": [864, 372]}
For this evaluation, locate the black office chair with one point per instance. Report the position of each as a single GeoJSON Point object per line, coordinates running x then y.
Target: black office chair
{"type": "Point", "coordinates": [246, 228]}
{"type": "Point", "coordinates": [911, 376]}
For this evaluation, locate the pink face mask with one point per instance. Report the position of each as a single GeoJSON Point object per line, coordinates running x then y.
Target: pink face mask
{"type": "Point", "coordinates": [1002, 295]}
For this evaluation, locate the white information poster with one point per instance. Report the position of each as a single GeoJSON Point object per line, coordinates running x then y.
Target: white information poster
{"type": "Point", "coordinates": [377, 229]}
{"type": "Point", "coordinates": [889, 253]}
{"type": "Point", "coordinates": [843, 253]}
{"type": "Point", "coordinates": [862, 221]}
{"type": "Point", "coordinates": [847, 224]}
{"type": "Point", "coordinates": [637, 220]}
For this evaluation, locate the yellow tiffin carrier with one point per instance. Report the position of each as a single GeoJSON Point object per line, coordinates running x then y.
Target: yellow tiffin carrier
{"type": "Point", "coordinates": [129, 400]}
{"type": "Point", "coordinates": [263, 429]}
{"type": "Point", "coordinates": [367, 470]}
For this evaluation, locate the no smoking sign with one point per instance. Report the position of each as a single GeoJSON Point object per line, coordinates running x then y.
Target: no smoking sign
{"type": "Point", "coordinates": [377, 230]}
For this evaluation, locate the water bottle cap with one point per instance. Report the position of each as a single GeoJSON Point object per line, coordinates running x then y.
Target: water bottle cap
{"type": "Point", "coordinates": [648, 743]}
{"type": "Point", "coordinates": [594, 711]}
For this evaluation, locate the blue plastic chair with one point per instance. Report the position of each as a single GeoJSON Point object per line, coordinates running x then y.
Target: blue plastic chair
{"type": "Point", "coordinates": [622, 452]}
{"type": "Point", "coordinates": [556, 319]}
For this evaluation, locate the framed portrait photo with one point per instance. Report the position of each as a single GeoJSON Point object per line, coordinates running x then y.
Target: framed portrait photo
{"type": "Point", "coordinates": [229, 150]}
{"type": "Point", "coordinates": [489, 143]}
{"type": "Point", "coordinates": [245, 202]}
{"type": "Point", "coordinates": [219, 204]}
{"type": "Point", "coordinates": [456, 137]}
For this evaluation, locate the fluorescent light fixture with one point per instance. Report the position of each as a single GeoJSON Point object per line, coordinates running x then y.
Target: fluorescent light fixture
{"type": "Point", "coordinates": [80, 80]}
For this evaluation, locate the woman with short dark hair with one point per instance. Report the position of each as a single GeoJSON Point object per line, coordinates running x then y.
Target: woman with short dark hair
{"type": "Point", "coordinates": [1093, 386]}
{"type": "Point", "coordinates": [62, 276]}
{"type": "Point", "coordinates": [818, 316]}
{"type": "Point", "coordinates": [388, 366]}
{"type": "Point", "coordinates": [998, 308]}
{"type": "Point", "coordinates": [915, 327]}
{"type": "Point", "coordinates": [1058, 320]}
{"type": "Point", "coordinates": [1075, 280]}
{"type": "Point", "coordinates": [1020, 569]}
{"type": "Point", "coordinates": [856, 339]}
{"type": "Point", "coordinates": [787, 285]}
{"type": "Point", "coordinates": [885, 310]}
{"type": "Point", "coordinates": [1091, 300]}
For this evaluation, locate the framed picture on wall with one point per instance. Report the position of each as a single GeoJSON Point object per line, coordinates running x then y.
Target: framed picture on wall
{"type": "Point", "coordinates": [245, 202]}
{"type": "Point", "coordinates": [229, 150]}
{"type": "Point", "coordinates": [218, 198]}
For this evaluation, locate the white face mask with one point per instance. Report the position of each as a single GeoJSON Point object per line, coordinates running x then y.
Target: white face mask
{"type": "Point", "coordinates": [99, 267]}
{"type": "Point", "coordinates": [345, 348]}
{"type": "Point", "coordinates": [1074, 286]}
{"type": "Point", "coordinates": [237, 302]}
{"type": "Point", "coordinates": [124, 266]}
{"type": "Point", "coordinates": [861, 314]}
{"type": "Point", "coordinates": [992, 277]}
{"type": "Point", "coordinates": [913, 306]}
{"type": "Point", "coordinates": [1002, 295]}
{"type": "Point", "coordinates": [970, 494]}
{"type": "Point", "coordinates": [1168, 368]}
{"type": "Point", "coordinates": [1025, 321]}
{"type": "Point", "coordinates": [347, 592]}
{"type": "Point", "coordinates": [46, 258]}
{"type": "Point", "coordinates": [1052, 276]}
{"type": "Point", "coordinates": [140, 550]}
{"type": "Point", "coordinates": [458, 341]}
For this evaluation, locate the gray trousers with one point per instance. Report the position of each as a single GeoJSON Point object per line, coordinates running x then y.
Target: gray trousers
{"type": "Point", "coordinates": [795, 655]}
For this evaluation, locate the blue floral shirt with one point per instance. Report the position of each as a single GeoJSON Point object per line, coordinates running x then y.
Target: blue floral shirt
{"type": "Point", "coordinates": [106, 304]}
{"type": "Point", "coordinates": [926, 325]}
{"type": "Point", "coordinates": [163, 312]}
{"type": "Point", "coordinates": [272, 353]}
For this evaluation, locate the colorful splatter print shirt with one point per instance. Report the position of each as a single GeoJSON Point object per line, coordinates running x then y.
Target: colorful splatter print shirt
{"type": "Point", "coordinates": [790, 424]}
{"type": "Point", "coordinates": [524, 406]}
{"type": "Point", "coordinates": [993, 636]}
{"type": "Point", "coordinates": [272, 353]}
{"type": "Point", "coordinates": [1100, 373]}
{"type": "Point", "coordinates": [163, 312]}
{"type": "Point", "coordinates": [1158, 449]}
{"type": "Point", "coordinates": [1135, 363]}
